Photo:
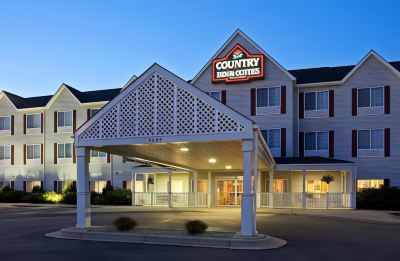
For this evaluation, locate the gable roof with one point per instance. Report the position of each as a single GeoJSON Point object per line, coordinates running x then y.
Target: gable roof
{"type": "Point", "coordinates": [31, 102]}
{"type": "Point", "coordinates": [239, 32]}
{"type": "Point", "coordinates": [94, 96]}
{"type": "Point", "coordinates": [339, 74]}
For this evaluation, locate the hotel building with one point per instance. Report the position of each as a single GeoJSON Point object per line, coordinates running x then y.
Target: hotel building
{"type": "Point", "coordinates": [189, 143]}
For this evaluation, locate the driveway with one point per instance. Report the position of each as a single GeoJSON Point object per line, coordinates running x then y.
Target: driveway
{"type": "Point", "coordinates": [310, 237]}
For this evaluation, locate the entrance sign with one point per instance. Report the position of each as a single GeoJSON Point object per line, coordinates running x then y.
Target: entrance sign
{"type": "Point", "coordinates": [238, 66]}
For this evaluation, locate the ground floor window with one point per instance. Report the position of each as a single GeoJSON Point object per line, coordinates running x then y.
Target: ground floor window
{"type": "Point", "coordinates": [6, 184]}
{"type": "Point", "coordinates": [317, 186]}
{"type": "Point", "coordinates": [60, 185]}
{"type": "Point", "coordinates": [370, 183]}
{"type": "Point", "coordinates": [29, 185]}
{"type": "Point", "coordinates": [202, 185]}
{"type": "Point", "coordinates": [229, 192]}
{"type": "Point", "coordinates": [279, 185]}
{"type": "Point", "coordinates": [98, 186]}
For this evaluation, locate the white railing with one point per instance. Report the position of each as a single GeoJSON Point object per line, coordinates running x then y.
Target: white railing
{"type": "Point", "coordinates": [176, 199]}
{"type": "Point", "coordinates": [312, 200]}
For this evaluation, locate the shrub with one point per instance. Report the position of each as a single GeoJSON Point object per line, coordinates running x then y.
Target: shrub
{"type": "Point", "coordinates": [52, 197]}
{"type": "Point", "coordinates": [7, 189]}
{"type": "Point", "coordinates": [380, 199]}
{"type": "Point", "coordinates": [33, 198]}
{"type": "Point", "coordinates": [37, 189]}
{"type": "Point", "coordinates": [12, 196]}
{"type": "Point", "coordinates": [194, 227]}
{"type": "Point", "coordinates": [124, 223]}
{"type": "Point", "coordinates": [69, 198]}
{"type": "Point", "coordinates": [108, 188]}
{"type": "Point", "coordinates": [71, 187]}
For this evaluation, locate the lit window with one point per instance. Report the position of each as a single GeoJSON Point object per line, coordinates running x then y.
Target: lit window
{"type": "Point", "coordinates": [64, 119]}
{"type": "Point", "coordinates": [5, 153]}
{"type": "Point", "coordinates": [316, 101]}
{"type": "Point", "coordinates": [216, 95]}
{"type": "Point", "coordinates": [279, 185]}
{"type": "Point", "coordinates": [64, 150]}
{"type": "Point", "coordinates": [97, 154]}
{"type": "Point", "coordinates": [97, 186]}
{"type": "Point", "coordinates": [272, 138]}
{"type": "Point", "coordinates": [370, 97]}
{"type": "Point", "coordinates": [370, 139]}
{"type": "Point", "coordinates": [369, 183]}
{"type": "Point", "coordinates": [5, 123]}
{"type": "Point", "coordinates": [316, 141]}
{"type": "Point", "coordinates": [33, 121]}
{"type": "Point", "coordinates": [267, 97]}
{"type": "Point", "coordinates": [29, 185]}
{"type": "Point", "coordinates": [33, 151]}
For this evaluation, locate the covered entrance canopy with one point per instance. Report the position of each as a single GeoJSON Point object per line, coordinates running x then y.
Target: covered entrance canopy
{"type": "Point", "coordinates": [162, 118]}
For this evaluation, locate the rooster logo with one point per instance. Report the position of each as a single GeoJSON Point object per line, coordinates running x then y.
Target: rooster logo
{"type": "Point", "coordinates": [237, 54]}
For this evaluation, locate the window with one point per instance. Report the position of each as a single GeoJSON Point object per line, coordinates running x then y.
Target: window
{"type": "Point", "coordinates": [6, 184]}
{"type": "Point", "coordinates": [370, 139]}
{"type": "Point", "coordinates": [316, 101]}
{"type": "Point", "coordinates": [272, 138]}
{"type": "Point", "coordinates": [202, 185]}
{"type": "Point", "coordinates": [316, 141]}
{"type": "Point", "coordinates": [279, 185]}
{"type": "Point", "coordinates": [5, 123]}
{"type": "Point", "coordinates": [5, 152]}
{"type": "Point", "coordinates": [33, 121]}
{"type": "Point", "coordinates": [97, 154]}
{"type": "Point", "coordinates": [370, 97]}
{"type": "Point", "coordinates": [93, 112]}
{"type": "Point", "coordinates": [216, 95]}
{"type": "Point", "coordinates": [64, 118]}
{"type": "Point", "coordinates": [60, 185]}
{"type": "Point", "coordinates": [97, 186]}
{"type": "Point", "coordinates": [31, 184]}
{"type": "Point", "coordinates": [369, 183]}
{"type": "Point", "coordinates": [267, 97]}
{"type": "Point", "coordinates": [33, 151]}
{"type": "Point", "coordinates": [64, 150]}
{"type": "Point", "coordinates": [317, 186]}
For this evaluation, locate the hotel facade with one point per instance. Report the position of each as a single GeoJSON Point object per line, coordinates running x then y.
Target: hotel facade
{"type": "Point", "coordinates": [243, 131]}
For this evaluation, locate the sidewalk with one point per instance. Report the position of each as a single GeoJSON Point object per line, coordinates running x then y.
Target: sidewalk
{"type": "Point", "coordinates": [378, 216]}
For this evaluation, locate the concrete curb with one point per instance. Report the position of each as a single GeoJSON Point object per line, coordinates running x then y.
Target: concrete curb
{"type": "Point", "coordinates": [257, 242]}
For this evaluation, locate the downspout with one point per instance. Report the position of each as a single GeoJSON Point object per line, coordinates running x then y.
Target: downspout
{"type": "Point", "coordinates": [44, 148]}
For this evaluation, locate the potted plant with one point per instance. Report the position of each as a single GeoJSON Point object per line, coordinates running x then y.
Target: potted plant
{"type": "Point", "coordinates": [327, 179]}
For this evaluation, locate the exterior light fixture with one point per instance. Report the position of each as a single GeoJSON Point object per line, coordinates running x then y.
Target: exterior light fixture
{"type": "Point", "coordinates": [184, 149]}
{"type": "Point", "coordinates": [212, 160]}
{"type": "Point", "coordinates": [228, 167]}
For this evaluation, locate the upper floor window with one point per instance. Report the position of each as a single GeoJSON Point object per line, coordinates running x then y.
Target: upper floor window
{"type": "Point", "coordinates": [93, 112]}
{"type": "Point", "coordinates": [33, 151]}
{"type": "Point", "coordinates": [272, 138]}
{"type": "Point", "coordinates": [5, 152]}
{"type": "Point", "coordinates": [97, 154]}
{"type": "Point", "coordinates": [33, 121]}
{"type": "Point", "coordinates": [64, 150]}
{"type": "Point", "coordinates": [216, 95]}
{"type": "Point", "coordinates": [64, 119]}
{"type": "Point", "coordinates": [268, 97]}
{"type": "Point", "coordinates": [5, 123]}
{"type": "Point", "coordinates": [316, 101]}
{"type": "Point", "coordinates": [316, 141]}
{"type": "Point", "coordinates": [370, 97]}
{"type": "Point", "coordinates": [371, 139]}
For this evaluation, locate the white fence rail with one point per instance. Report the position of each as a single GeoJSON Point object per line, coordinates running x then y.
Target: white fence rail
{"type": "Point", "coordinates": [175, 199]}
{"type": "Point", "coordinates": [312, 200]}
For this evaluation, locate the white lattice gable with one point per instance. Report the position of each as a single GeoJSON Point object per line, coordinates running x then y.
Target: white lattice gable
{"type": "Point", "coordinates": [160, 107]}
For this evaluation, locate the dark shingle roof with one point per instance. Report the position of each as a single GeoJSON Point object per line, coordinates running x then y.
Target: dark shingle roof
{"type": "Point", "coordinates": [308, 160]}
{"type": "Point", "coordinates": [327, 74]}
{"type": "Point", "coordinates": [32, 102]}
{"type": "Point", "coordinates": [83, 97]}
{"type": "Point", "coordinates": [94, 96]}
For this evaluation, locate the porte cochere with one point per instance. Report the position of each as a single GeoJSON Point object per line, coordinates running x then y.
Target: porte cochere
{"type": "Point", "coordinates": [201, 153]}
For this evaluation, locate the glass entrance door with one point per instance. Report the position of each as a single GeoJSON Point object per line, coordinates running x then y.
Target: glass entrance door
{"type": "Point", "coordinates": [229, 192]}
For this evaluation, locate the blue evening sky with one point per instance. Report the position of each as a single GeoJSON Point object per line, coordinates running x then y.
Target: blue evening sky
{"type": "Point", "coordinates": [101, 44]}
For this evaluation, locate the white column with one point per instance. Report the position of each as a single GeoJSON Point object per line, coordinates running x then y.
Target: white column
{"type": "Point", "coordinates": [169, 188]}
{"type": "Point", "coordinates": [133, 187]}
{"type": "Point", "coordinates": [304, 175]}
{"type": "Point", "coordinates": [271, 189]}
{"type": "Point", "coordinates": [194, 196]}
{"type": "Point", "coordinates": [255, 179]}
{"type": "Point", "coordinates": [209, 189]}
{"type": "Point", "coordinates": [259, 187]}
{"type": "Point", "coordinates": [83, 215]}
{"type": "Point", "coordinates": [351, 187]}
{"type": "Point", "coordinates": [247, 222]}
